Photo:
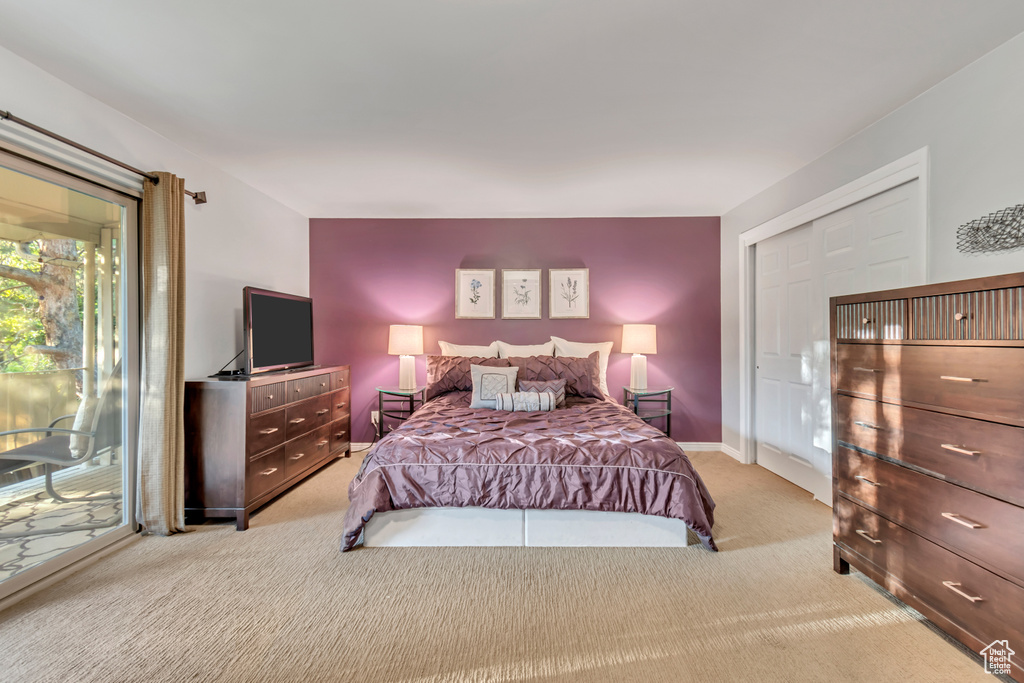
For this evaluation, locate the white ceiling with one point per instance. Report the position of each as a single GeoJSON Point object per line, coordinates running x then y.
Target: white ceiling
{"type": "Point", "coordinates": [481, 108]}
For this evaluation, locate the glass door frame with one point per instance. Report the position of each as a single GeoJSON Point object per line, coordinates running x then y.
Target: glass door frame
{"type": "Point", "coordinates": [130, 347]}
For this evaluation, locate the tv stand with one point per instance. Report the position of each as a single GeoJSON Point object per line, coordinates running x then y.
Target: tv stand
{"type": "Point", "coordinates": [253, 437]}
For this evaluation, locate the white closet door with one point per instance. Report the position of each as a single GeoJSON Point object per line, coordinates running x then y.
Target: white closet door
{"type": "Point", "coordinates": [875, 244]}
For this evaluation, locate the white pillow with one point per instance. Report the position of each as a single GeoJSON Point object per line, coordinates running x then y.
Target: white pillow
{"type": "Point", "coordinates": [513, 351]}
{"type": "Point", "coordinates": [488, 382]}
{"type": "Point", "coordinates": [584, 349]}
{"type": "Point", "coordinates": [489, 351]}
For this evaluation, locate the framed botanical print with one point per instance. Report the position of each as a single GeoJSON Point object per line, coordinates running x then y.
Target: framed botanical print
{"type": "Point", "coordinates": [520, 294]}
{"type": "Point", "coordinates": [474, 293]}
{"type": "Point", "coordinates": [569, 293]}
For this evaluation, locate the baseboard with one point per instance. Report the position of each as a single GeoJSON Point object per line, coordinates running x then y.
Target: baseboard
{"type": "Point", "coordinates": [698, 446]}
{"type": "Point", "coordinates": [732, 452]}
{"type": "Point", "coordinates": [360, 446]}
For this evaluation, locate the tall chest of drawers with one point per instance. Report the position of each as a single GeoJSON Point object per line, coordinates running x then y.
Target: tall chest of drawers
{"type": "Point", "coordinates": [928, 452]}
{"type": "Point", "coordinates": [249, 441]}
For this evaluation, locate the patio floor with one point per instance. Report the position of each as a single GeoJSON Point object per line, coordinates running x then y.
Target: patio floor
{"type": "Point", "coordinates": [26, 506]}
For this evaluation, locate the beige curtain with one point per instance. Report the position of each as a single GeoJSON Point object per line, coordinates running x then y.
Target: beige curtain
{"type": "Point", "coordinates": [161, 500]}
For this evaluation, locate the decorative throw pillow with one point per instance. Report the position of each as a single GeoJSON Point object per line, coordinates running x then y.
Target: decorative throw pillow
{"type": "Point", "coordinates": [584, 349]}
{"type": "Point", "coordinates": [509, 350]}
{"type": "Point", "coordinates": [580, 374]}
{"type": "Point", "coordinates": [489, 351]}
{"type": "Point", "coordinates": [84, 418]}
{"type": "Point", "coordinates": [555, 387]}
{"type": "Point", "coordinates": [488, 382]}
{"type": "Point", "coordinates": [452, 373]}
{"type": "Point", "coordinates": [525, 401]}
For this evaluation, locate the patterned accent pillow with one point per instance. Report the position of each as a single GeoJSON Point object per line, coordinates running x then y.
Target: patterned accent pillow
{"type": "Point", "coordinates": [526, 401]}
{"type": "Point", "coordinates": [555, 387]}
{"type": "Point", "coordinates": [581, 375]}
{"type": "Point", "coordinates": [452, 373]}
{"type": "Point", "coordinates": [488, 382]}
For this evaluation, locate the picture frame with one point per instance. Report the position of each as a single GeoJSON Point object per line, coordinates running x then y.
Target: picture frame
{"type": "Point", "coordinates": [521, 294]}
{"type": "Point", "coordinates": [474, 293]}
{"type": "Point", "coordinates": [568, 293]}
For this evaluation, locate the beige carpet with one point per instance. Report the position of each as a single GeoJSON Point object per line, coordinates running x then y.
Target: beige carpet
{"type": "Point", "coordinates": [280, 603]}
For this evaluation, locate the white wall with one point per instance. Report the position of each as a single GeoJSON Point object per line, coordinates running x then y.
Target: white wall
{"type": "Point", "coordinates": [973, 125]}
{"type": "Point", "coordinates": [241, 237]}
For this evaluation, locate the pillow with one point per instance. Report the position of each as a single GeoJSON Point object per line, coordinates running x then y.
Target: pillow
{"type": "Point", "coordinates": [584, 349]}
{"type": "Point", "coordinates": [580, 374]}
{"type": "Point", "coordinates": [488, 382]}
{"type": "Point", "coordinates": [489, 351]}
{"type": "Point", "coordinates": [525, 401]}
{"type": "Point", "coordinates": [79, 443]}
{"type": "Point", "coordinates": [555, 387]}
{"type": "Point", "coordinates": [451, 373]}
{"type": "Point", "coordinates": [509, 350]}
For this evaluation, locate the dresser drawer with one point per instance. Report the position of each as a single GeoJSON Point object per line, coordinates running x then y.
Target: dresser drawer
{"type": "Point", "coordinates": [306, 451]}
{"type": "Point", "coordinates": [985, 528]}
{"type": "Point", "coordinates": [983, 604]}
{"type": "Point", "coordinates": [985, 381]}
{"type": "Point", "coordinates": [263, 473]}
{"type": "Point", "coordinates": [306, 387]}
{"type": "Point", "coordinates": [308, 415]}
{"type": "Point", "coordinates": [340, 406]}
{"type": "Point", "coordinates": [872, 320]}
{"type": "Point", "coordinates": [341, 437]}
{"type": "Point", "coordinates": [986, 456]}
{"type": "Point", "coordinates": [988, 314]}
{"type": "Point", "coordinates": [265, 431]}
{"type": "Point", "coordinates": [340, 378]}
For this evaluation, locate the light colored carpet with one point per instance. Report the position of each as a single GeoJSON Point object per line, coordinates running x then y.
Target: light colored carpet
{"type": "Point", "coordinates": [280, 603]}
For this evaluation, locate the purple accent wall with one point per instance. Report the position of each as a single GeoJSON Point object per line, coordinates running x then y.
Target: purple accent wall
{"type": "Point", "coordinates": [367, 274]}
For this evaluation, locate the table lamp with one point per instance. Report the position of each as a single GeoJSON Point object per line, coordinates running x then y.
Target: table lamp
{"type": "Point", "coordinates": [638, 340]}
{"type": "Point", "coordinates": [406, 341]}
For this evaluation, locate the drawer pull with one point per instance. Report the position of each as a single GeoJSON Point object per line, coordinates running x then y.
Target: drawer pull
{"type": "Point", "coordinates": [864, 534]}
{"type": "Point", "coordinates": [270, 397]}
{"type": "Point", "coordinates": [267, 472]}
{"type": "Point", "coordinates": [953, 517]}
{"type": "Point", "coordinates": [268, 430]}
{"type": "Point", "coordinates": [341, 405]}
{"type": "Point", "coordinates": [296, 421]}
{"type": "Point", "coordinates": [322, 412]}
{"type": "Point", "coordinates": [321, 444]}
{"type": "Point", "coordinates": [865, 321]}
{"type": "Point", "coordinates": [323, 384]}
{"type": "Point", "coordinates": [866, 425]}
{"type": "Point", "coordinates": [866, 480]}
{"type": "Point", "coordinates": [298, 456]}
{"type": "Point", "coordinates": [950, 378]}
{"type": "Point", "coordinates": [339, 435]}
{"type": "Point", "coordinates": [867, 370]}
{"type": "Point", "coordinates": [959, 449]}
{"type": "Point", "coordinates": [952, 585]}
{"type": "Point", "coordinates": [960, 316]}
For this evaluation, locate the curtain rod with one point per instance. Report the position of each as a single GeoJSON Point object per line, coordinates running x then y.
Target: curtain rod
{"type": "Point", "coordinates": [199, 197]}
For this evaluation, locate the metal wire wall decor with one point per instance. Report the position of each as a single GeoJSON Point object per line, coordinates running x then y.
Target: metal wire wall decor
{"type": "Point", "coordinates": [999, 231]}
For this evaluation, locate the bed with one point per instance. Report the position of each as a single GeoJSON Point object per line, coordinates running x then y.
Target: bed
{"type": "Point", "coordinates": [588, 473]}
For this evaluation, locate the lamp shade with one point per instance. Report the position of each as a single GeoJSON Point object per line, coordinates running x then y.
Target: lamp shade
{"type": "Point", "coordinates": [405, 340]}
{"type": "Point", "coordinates": [639, 339]}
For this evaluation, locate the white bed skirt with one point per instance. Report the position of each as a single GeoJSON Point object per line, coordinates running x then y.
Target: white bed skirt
{"type": "Point", "coordinates": [474, 526]}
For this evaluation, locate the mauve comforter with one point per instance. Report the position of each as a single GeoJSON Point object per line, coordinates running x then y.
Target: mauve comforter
{"type": "Point", "coordinates": [590, 455]}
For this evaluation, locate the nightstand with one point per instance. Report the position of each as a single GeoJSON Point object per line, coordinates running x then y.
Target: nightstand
{"type": "Point", "coordinates": [650, 404]}
{"type": "Point", "coordinates": [397, 404]}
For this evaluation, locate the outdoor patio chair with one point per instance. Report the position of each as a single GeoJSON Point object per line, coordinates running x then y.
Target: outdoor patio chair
{"type": "Point", "coordinates": [96, 427]}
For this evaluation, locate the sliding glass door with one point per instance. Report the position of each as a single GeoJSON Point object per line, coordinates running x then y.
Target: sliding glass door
{"type": "Point", "coordinates": [68, 369]}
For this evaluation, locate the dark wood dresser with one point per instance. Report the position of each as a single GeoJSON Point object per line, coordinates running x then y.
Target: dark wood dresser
{"type": "Point", "coordinates": [248, 441]}
{"type": "Point", "coordinates": [928, 451]}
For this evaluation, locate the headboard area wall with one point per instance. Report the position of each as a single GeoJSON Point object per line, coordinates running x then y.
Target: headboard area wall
{"type": "Point", "coordinates": [367, 274]}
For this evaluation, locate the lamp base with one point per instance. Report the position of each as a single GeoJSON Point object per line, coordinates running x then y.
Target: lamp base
{"type": "Point", "coordinates": [638, 372]}
{"type": "Point", "coordinates": [406, 372]}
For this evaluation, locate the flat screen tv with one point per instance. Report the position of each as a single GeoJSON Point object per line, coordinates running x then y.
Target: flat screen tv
{"type": "Point", "coordinates": [278, 330]}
